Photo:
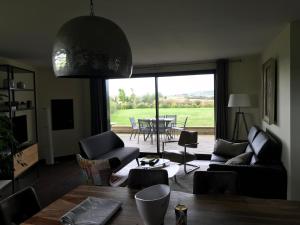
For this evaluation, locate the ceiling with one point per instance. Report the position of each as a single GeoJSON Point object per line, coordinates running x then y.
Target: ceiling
{"type": "Point", "coordinates": [165, 31]}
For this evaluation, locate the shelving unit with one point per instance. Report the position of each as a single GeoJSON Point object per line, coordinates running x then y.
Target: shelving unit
{"type": "Point", "coordinates": [18, 86]}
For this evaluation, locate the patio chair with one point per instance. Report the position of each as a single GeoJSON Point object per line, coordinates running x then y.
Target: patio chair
{"type": "Point", "coordinates": [134, 127]}
{"type": "Point", "coordinates": [144, 128]}
{"type": "Point", "coordinates": [162, 129]}
{"type": "Point", "coordinates": [187, 139]}
{"type": "Point", "coordinates": [172, 124]}
{"type": "Point", "coordinates": [180, 126]}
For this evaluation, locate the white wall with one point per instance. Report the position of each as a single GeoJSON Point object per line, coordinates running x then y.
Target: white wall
{"type": "Point", "coordinates": [279, 49]}
{"type": "Point", "coordinates": [295, 110]}
{"type": "Point", "coordinates": [65, 142]}
{"type": "Point", "coordinates": [245, 77]}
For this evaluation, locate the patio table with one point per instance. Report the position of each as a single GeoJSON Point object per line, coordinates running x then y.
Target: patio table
{"type": "Point", "coordinates": [163, 126]}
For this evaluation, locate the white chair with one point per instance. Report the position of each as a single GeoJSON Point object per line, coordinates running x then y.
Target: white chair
{"type": "Point", "coordinates": [134, 127]}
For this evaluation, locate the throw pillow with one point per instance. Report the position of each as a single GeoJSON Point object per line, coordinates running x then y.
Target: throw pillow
{"type": "Point", "coordinates": [96, 172]}
{"type": "Point", "coordinates": [242, 159]}
{"type": "Point", "coordinates": [229, 149]}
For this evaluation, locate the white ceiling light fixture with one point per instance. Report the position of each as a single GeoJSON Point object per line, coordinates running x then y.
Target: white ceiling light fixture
{"type": "Point", "coordinates": [91, 47]}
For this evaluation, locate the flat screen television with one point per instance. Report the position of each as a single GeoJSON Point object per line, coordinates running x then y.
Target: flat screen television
{"type": "Point", "coordinates": [19, 124]}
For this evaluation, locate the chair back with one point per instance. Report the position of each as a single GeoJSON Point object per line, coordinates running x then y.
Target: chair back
{"type": "Point", "coordinates": [185, 121]}
{"type": "Point", "coordinates": [143, 178]}
{"type": "Point", "coordinates": [97, 145]}
{"type": "Point", "coordinates": [19, 207]}
{"type": "Point", "coordinates": [144, 124]}
{"type": "Point", "coordinates": [133, 123]}
{"type": "Point", "coordinates": [215, 182]}
{"type": "Point", "coordinates": [174, 117]}
{"type": "Point", "coordinates": [161, 126]}
{"type": "Point", "coordinates": [188, 138]}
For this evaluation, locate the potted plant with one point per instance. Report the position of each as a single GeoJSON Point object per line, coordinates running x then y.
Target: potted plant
{"type": "Point", "coordinates": [6, 143]}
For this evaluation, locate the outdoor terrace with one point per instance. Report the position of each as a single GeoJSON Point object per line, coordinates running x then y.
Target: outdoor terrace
{"type": "Point", "coordinates": [206, 142]}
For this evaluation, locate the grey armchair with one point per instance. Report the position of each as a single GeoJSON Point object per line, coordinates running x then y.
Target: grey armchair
{"type": "Point", "coordinates": [109, 146]}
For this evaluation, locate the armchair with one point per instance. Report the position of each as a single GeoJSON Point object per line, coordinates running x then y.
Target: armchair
{"type": "Point", "coordinates": [187, 139]}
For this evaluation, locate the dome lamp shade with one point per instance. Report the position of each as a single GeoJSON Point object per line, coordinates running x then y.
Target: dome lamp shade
{"type": "Point", "coordinates": [91, 47]}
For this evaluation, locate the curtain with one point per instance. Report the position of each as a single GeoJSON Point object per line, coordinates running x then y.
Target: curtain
{"type": "Point", "coordinates": [221, 98]}
{"type": "Point", "coordinates": [99, 107]}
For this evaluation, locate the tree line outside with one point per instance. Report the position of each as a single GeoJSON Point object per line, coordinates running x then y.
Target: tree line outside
{"type": "Point", "coordinates": [199, 109]}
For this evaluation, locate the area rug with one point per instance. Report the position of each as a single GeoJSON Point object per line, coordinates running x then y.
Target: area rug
{"type": "Point", "coordinates": [183, 182]}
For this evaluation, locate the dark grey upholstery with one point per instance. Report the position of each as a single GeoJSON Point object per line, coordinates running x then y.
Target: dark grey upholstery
{"type": "Point", "coordinates": [215, 182]}
{"type": "Point", "coordinates": [19, 207]}
{"type": "Point", "coordinates": [265, 175]}
{"type": "Point", "coordinates": [109, 146]}
{"type": "Point", "coordinates": [120, 157]}
{"type": "Point", "coordinates": [265, 148]}
{"type": "Point", "coordinates": [142, 178]}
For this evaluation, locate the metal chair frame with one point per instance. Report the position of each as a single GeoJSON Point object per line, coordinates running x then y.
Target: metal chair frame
{"type": "Point", "coordinates": [185, 163]}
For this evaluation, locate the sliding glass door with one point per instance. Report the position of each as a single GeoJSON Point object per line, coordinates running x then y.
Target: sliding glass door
{"type": "Point", "coordinates": [189, 102]}
{"type": "Point", "coordinates": [132, 106]}
{"type": "Point", "coordinates": [146, 111]}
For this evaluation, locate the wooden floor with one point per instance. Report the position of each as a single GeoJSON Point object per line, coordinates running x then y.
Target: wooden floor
{"type": "Point", "coordinates": [53, 181]}
{"type": "Point", "coordinates": [206, 144]}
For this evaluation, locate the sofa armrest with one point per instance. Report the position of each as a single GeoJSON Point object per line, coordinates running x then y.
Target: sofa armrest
{"type": "Point", "coordinates": [268, 181]}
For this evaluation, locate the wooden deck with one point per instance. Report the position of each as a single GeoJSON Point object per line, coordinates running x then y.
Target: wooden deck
{"type": "Point", "coordinates": [206, 144]}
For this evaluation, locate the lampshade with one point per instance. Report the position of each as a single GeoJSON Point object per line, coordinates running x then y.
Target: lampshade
{"type": "Point", "coordinates": [91, 47]}
{"type": "Point", "coordinates": [239, 100]}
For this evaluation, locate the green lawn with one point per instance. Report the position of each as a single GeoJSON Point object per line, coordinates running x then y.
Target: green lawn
{"type": "Point", "coordinates": [197, 117]}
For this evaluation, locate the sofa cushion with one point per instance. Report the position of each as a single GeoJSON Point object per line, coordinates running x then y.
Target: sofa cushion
{"type": "Point", "coordinates": [120, 157]}
{"type": "Point", "coordinates": [229, 149]}
{"type": "Point", "coordinates": [254, 160]}
{"type": "Point", "coordinates": [252, 133]}
{"type": "Point", "coordinates": [96, 172]}
{"type": "Point", "coordinates": [265, 148]}
{"type": "Point", "coordinates": [242, 159]}
{"type": "Point", "coordinates": [218, 158]}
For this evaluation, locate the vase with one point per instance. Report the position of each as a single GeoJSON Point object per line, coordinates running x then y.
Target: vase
{"type": "Point", "coordinates": [152, 203]}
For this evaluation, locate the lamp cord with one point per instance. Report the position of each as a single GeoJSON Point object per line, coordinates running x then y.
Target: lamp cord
{"type": "Point", "coordinates": [92, 8]}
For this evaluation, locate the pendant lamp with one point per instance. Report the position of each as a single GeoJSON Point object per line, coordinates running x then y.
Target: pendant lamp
{"type": "Point", "coordinates": [91, 47]}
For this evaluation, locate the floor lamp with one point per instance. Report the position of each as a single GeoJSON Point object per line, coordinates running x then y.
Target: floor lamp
{"type": "Point", "coordinates": [239, 101]}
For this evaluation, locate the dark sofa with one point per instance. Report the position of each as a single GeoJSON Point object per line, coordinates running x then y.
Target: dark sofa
{"type": "Point", "coordinates": [109, 146]}
{"type": "Point", "coordinates": [265, 175]}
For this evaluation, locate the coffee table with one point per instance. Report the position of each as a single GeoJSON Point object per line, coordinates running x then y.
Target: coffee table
{"type": "Point", "coordinates": [171, 167]}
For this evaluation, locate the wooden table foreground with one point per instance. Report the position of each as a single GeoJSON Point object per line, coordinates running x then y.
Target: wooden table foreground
{"type": "Point", "coordinates": [202, 209]}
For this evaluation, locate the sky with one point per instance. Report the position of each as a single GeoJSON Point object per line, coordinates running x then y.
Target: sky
{"type": "Point", "coordinates": [166, 85]}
